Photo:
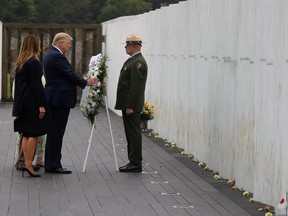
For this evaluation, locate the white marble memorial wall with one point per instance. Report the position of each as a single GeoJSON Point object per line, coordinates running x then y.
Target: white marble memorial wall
{"type": "Point", "coordinates": [218, 77]}
{"type": "Point", "coordinates": [1, 39]}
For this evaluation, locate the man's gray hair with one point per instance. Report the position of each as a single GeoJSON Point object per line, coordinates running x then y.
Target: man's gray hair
{"type": "Point", "coordinates": [60, 36]}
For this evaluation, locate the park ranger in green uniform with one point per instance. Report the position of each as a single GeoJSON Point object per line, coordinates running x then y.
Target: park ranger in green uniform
{"type": "Point", "coordinates": [130, 99]}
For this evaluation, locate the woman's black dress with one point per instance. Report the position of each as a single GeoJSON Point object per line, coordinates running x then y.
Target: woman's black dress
{"type": "Point", "coordinates": [29, 96]}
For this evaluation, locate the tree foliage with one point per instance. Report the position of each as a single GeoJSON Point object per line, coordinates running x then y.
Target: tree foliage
{"type": "Point", "coordinates": [116, 8]}
{"type": "Point", "coordinates": [18, 11]}
{"type": "Point", "coordinates": [73, 11]}
{"type": "Point", "coordinates": [158, 3]}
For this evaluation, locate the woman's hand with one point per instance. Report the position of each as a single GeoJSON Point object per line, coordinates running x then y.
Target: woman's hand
{"type": "Point", "coordinates": [42, 112]}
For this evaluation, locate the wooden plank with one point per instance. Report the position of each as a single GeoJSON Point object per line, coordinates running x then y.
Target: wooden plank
{"type": "Point", "coordinates": [4, 62]}
{"type": "Point", "coordinates": [78, 51]}
{"type": "Point", "coordinates": [50, 26]}
{"type": "Point", "coordinates": [87, 41]}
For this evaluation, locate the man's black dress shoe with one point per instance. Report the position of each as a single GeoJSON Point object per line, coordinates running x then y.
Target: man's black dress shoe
{"type": "Point", "coordinates": [130, 168]}
{"type": "Point", "coordinates": [59, 171]}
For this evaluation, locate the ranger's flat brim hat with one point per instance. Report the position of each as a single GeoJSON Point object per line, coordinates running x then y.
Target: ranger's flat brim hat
{"type": "Point", "coordinates": [134, 39]}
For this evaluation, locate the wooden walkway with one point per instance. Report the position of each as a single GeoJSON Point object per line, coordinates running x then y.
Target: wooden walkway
{"type": "Point", "coordinates": [167, 186]}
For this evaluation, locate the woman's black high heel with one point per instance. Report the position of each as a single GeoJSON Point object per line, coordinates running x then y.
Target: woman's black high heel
{"type": "Point", "coordinates": [30, 173]}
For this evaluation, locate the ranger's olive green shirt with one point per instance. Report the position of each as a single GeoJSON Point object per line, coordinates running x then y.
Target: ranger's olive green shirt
{"type": "Point", "coordinates": [131, 84]}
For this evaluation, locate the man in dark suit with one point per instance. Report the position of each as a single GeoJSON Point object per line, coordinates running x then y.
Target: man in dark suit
{"type": "Point", "coordinates": [60, 89]}
{"type": "Point", "coordinates": [130, 99]}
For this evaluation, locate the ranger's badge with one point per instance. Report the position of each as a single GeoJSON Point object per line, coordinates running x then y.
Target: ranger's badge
{"type": "Point", "coordinates": [138, 65]}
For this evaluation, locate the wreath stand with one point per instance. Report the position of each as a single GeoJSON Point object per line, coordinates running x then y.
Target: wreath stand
{"type": "Point", "coordinates": [91, 136]}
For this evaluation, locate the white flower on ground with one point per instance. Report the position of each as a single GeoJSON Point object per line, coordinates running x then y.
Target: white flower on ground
{"type": "Point", "coordinates": [246, 193]}
{"type": "Point", "coordinates": [217, 177]}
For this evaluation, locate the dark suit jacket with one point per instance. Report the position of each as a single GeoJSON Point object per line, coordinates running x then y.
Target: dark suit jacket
{"type": "Point", "coordinates": [61, 80]}
{"type": "Point", "coordinates": [28, 97]}
{"type": "Point", "coordinates": [131, 84]}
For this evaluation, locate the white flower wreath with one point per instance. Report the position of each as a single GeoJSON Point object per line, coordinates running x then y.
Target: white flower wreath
{"type": "Point", "coordinates": [93, 97]}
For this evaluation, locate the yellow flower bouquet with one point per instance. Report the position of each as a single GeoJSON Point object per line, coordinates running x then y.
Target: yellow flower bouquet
{"type": "Point", "coordinates": [148, 112]}
{"type": "Point", "coordinates": [146, 115]}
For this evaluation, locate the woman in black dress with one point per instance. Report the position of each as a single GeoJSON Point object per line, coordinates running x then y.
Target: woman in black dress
{"type": "Point", "coordinates": [29, 100]}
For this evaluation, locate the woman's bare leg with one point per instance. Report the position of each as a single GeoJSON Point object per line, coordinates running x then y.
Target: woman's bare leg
{"type": "Point", "coordinates": [28, 147]}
